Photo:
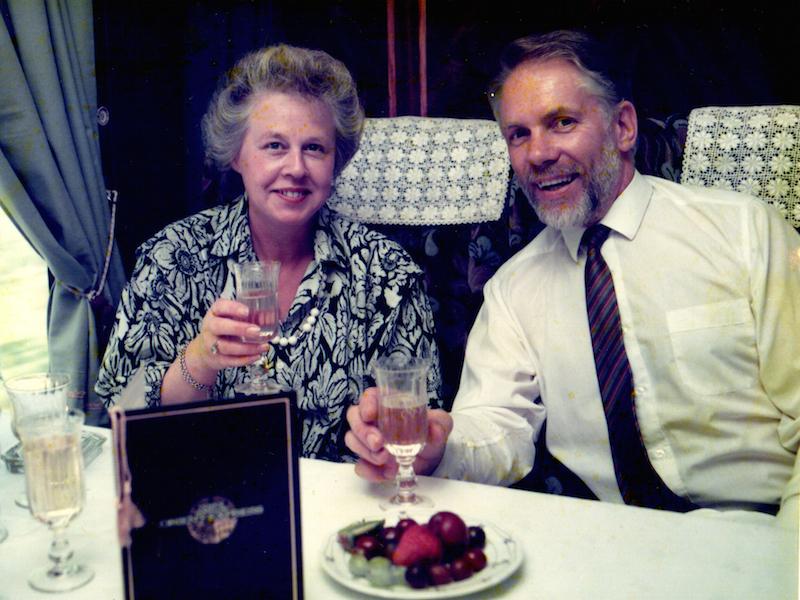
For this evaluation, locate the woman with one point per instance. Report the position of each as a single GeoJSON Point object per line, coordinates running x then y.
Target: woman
{"type": "Point", "coordinates": [287, 120]}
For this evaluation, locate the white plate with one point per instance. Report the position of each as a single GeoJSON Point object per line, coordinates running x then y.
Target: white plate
{"type": "Point", "coordinates": [503, 554]}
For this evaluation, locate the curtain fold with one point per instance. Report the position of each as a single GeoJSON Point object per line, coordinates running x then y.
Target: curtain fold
{"type": "Point", "coordinates": [51, 181]}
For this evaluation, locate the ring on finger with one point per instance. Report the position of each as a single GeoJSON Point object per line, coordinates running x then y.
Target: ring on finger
{"type": "Point", "coordinates": [215, 347]}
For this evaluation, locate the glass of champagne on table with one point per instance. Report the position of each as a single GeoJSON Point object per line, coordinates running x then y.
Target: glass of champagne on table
{"type": "Point", "coordinates": [257, 288]}
{"type": "Point", "coordinates": [30, 395]}
{"type": "Point", "coordinates": [51, 447]}
{"type": "Point", "coordinates": [3, 530]}
{"type": "Point", "coordinates": [403, 421]}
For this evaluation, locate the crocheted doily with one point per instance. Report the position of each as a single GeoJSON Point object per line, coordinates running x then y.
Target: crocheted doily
{"type": "Point", "coordinates": [425, 171]}
{"type": "Point", "coordinates": [753, 149]}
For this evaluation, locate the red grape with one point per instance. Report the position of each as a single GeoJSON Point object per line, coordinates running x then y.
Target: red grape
{"type": "Point", "coordinates": [460, 569]}
{"type": "Point", "coordinates": [369, 546]}
{"type": "Point", "coordinates": [389, 548]}
{"type": "Point", "coordinates": [417, 576]}
{"type": "Point", "coordinates": [439, 574]}
{"type": "Point", "coordinates": [404, 524]}
{"type": "Point", "coordinates": [476, 559]}
{"type": "Point", "coordinates": [450, 528]}
{"type": "Point", "coordinates": [389, 534]}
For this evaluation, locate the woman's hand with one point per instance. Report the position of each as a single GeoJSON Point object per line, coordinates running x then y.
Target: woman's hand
{"type": "Point", "coordinates": [225, 340]}
{"type": "Point", "coordinates": [220, 345]}
{"type": "Point", "coordinates": [365, 439]}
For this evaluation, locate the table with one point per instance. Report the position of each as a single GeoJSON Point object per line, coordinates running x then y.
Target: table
{"type": "Point", "coordinates": [573, 548]}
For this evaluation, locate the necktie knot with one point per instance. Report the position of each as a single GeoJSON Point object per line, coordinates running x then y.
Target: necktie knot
{"type": "Point", "coordinates": [594, 237]}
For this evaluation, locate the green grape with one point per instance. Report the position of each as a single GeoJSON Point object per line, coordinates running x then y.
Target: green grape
{"type": "Point", "coordinates": [380, 572]}
{"type": "Point", "coordinates": [398, 574]}
{"type": "Point", "coordinates": [358, 565]}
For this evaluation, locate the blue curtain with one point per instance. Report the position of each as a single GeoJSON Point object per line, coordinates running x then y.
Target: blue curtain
{"type": "Point", "coordinates": [51, 183]}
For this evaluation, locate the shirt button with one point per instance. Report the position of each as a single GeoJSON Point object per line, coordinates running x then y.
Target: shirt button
{"type": "Point", "coordinates": [640, 390]}
{"type": "Point", "coordinates": [660, 453]}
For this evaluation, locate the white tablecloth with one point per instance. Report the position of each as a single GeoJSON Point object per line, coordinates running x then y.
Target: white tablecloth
{"type": "Point", "coordinates": [573, 548]}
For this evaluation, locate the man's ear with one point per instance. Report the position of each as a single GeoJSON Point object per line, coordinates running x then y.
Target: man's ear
{"type": "Point", "coordinates": [626, 126]}
{"type": "Point", "coordinates": [235, 164]}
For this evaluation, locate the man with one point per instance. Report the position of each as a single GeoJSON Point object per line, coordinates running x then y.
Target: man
{"type": "Point", "coordinates": [662, 351]}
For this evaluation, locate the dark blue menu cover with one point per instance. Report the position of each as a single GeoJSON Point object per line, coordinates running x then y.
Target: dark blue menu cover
{"type": "Point", "coordinates": [218, 485]}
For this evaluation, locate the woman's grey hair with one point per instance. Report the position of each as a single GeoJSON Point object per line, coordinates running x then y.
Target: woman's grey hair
{"type": "Point", "coordinates": [313, 74]}
{"type": "Point", "coordinates": [598, 62]}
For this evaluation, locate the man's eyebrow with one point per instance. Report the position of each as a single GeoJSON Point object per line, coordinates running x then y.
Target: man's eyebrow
{"type": "Point", "coordinates": [559, 111]}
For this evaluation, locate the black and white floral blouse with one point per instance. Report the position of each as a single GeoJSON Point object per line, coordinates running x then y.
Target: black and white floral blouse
{"type": "Point", "coordinates": [366, 287]}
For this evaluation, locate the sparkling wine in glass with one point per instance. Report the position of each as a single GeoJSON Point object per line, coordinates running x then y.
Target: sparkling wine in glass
{"type": "Point", "coordinates": [403, 421]}
{"type": "Point", "coordinates": [3, 533]}
{"type": "Point", "coordinates": [257, 288]}
{"type": "Point", "coordinates": [51, 447]}
{"type": "Point", "coordinates": [35, 394]}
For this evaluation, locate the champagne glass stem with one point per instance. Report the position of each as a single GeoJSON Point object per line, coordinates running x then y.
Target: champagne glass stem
{"type": "Point", "coordinates": [60, 553]}
{"type": "Point", "coordinates": [406, 480]}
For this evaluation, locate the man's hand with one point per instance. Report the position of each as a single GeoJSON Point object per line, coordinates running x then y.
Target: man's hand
{"type": "Point", "coordinates": [365, 439]}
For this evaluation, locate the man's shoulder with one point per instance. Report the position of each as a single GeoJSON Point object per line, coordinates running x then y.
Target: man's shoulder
{"type": "Point", "coordinates": [705, 207]}
{"type": "Point", "coordinates": [536, 256]}
{"type": "Point", "coordinates": [687, 193]}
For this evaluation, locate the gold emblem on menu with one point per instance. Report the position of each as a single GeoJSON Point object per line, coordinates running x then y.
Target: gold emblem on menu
{"type": "Point", "coordinates": [212, 520]}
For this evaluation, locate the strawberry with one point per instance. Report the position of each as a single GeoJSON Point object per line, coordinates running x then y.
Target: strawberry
{"type": "Point", "coordinates": [418, 544]}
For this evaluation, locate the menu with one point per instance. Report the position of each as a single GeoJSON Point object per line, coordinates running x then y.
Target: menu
{"type": "Point", "coordinates": [217, 484]}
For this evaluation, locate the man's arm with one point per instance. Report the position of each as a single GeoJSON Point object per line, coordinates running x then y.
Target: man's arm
{"type": "Point", "coordinates": [490, 437]}
{"type": "Point", "coordinates": [775, 268]}
{"type": "Point", "coordinates": [495, 418]}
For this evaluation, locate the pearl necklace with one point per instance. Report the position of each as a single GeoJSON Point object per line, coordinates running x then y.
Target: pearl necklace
{"type": "Point", "coordinates": [291, 340]}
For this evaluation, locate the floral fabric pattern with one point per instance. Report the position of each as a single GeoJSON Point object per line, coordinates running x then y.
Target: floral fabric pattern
{"type": "Point", "coordinates": [425, 171]}
{"type": "Point", "coordinates": [754, 149]}
{"type": "Point", "coordinates": [368, 291]}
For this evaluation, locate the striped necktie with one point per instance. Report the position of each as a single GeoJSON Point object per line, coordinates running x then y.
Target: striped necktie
{"type": "Point", "coordinates": [638, 482]}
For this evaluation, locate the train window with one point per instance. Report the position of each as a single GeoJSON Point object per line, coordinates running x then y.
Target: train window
{"type": "Point", "coordinates": [23, 305]}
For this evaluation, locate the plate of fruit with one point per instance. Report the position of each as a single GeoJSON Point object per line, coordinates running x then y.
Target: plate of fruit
{"type": "Point", "coordinates": [420, 554]}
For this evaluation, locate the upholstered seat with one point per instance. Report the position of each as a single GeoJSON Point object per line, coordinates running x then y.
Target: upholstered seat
{"type": "Point", "coordinates": [425, 171]}
{"type": "Point", "coordinates": [750, 149]}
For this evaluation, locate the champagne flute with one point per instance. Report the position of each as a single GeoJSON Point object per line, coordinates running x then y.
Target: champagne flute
{"type": "Point", "coordinates": [403, 421]}
{"type": "Point", "coordinates": [51, 448]}
{"type": "Point", "coordinates": [257, 288]}
{"type": "Point", "coordinates": [33, 394]}
{"type": "Point", "coordinates": [3, 530]}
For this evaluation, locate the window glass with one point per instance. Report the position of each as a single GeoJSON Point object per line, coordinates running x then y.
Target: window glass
{"type": "Point", "coordinates": [23, 306]}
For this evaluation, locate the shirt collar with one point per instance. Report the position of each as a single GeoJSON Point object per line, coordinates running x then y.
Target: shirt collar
{"type": "Point", "coordinates": [625, 215]}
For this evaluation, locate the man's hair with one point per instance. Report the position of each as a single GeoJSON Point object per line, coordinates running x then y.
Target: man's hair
{"type": "Point", "coordinates": [313, 74]}
{"type": "Point", "coordinates": [597, 61]}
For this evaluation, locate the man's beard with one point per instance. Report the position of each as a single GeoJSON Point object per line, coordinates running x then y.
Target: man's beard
{"type": "Point", "coordinates": [593, 201]}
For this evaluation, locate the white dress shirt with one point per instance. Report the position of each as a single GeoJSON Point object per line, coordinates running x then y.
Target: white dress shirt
{"type": "Point", "coordinates": [708, 287]}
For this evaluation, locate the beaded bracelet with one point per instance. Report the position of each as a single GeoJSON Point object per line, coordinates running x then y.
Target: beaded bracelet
{"type": "Point", "coordinates": [187, 377]}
